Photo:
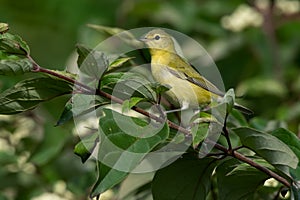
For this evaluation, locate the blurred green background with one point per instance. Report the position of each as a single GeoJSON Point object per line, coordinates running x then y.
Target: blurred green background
{"type": "Point", "coordinates": [255, 45]}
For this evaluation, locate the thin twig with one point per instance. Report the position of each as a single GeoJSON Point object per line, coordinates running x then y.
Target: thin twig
{"type": "Point", "coordinates": [226, 133]}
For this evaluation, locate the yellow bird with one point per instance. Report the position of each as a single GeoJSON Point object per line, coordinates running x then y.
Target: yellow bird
{"type": "Point", "coordinates": [188, 89]}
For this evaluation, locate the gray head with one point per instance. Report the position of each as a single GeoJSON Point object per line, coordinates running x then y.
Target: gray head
{"type": "Point", "coordinates": [159, 39]}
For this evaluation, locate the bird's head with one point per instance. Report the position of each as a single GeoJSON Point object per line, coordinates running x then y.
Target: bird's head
{"type": "Point", "coordinates": [159, 39]}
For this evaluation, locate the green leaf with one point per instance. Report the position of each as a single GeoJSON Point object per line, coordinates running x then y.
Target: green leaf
{"type": "Point", "coordinates": [127, 85]}
{"type": "Point", "coordinates": [13, 44]}
{"type": "Point", "coordinates": [265, 125]}
{"type": "Point", "coordinates": [295, 192]}
{"type": "Point", "coordinates": [208, 124]}
{"type": "Point", "coordinates": [238, 181]}
{"type": "Point", "coordinates": [3, 28]}
{"type": "Point", "coordinates": [199, 133]}
{"type": "Point", "coordinates": [66, 115]}
{"type": "Point", "coordinates": [237, 119]}
{"type": "Point", "coordinates": [290, 139]}
{"type": "Point", "coordinates": [260, 87]}
{"type": "Point", "coordinates": [107, 179]}
{"type": "Point", "coordinates": [129, 134]}
{"type": "Point", "coordinates": [92, 63]}
{"type": "Point", "coordinates": [124, 35]}
{"type": "Point", "coordinates": [129, 103]}
{"type": "Point", "coordinates": [86, 146]}
{"type": "Point", "coordinates": [15, 66]}
{"type": "Point", "coordinates": [258, 123]}
{"type": "Point", "coordinates": [79, 105]}
{"type": "Point", "coordinates": [187, 178]}
{"type": "Point", "coordinates": [133, 183]}
{"type": "Point", "coordinates": [28, 93]}
{"type": "Point", "coordinates": [82, 52]}
{"type": "Point", "coordinates": [106, 29]}
{"type": "Point", "coordinates": [159, 89]}
{"type": "Point", "coordinates": [124, 142]}
{"type": "Point", "coordinates": [268, 147]}
{"type": "Point", "coordinates": [245, 166]}
{"type": "Point", "coordinates": [229, 99]}
{"type": "Point", "coordinates": [118, 62]}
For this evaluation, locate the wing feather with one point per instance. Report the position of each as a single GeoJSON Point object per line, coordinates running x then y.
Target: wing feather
{"type": "Point", "coordinates": [184, 70]}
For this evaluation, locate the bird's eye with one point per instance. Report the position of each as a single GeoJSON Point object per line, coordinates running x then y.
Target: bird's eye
{"type": "Point", "coordinates": [157, 37]}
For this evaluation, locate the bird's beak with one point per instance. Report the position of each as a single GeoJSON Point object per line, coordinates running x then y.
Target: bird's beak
{"type": "Point", "coordinates": [143, 39]}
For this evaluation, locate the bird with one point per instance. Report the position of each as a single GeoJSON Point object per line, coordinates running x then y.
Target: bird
{"type": "Point", "coordinates": [188, 88]}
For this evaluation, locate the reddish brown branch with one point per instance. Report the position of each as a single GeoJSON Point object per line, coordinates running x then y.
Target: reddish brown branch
{"type": "Point", "coordinates": [172, 125]}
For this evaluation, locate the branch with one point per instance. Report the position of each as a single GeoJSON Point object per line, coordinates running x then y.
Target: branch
{"type": "Point", "coordinates": [250, 162]}
{"type": "Point", "coordinates": [226, 133]}
{"type": "Point", "coordinates": [261, 168]}
{"type": "Point", "coordinates": [228, 152]}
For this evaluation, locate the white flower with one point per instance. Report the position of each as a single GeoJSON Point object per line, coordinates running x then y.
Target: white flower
{"type": "Point", "coordinates": [244, 16]}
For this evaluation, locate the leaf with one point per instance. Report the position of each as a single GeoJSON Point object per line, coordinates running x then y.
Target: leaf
{"type": "Point", "coordinates": [15, 66]}
{"type": "Point", "coordinates": [106, 29]}
{"type": "Point", "coordinates": [124, 35]}
{"type": "Point", "coordinates": [258, 123]}
{"type": "Point", "coordinates": [13, 44]}
{"type": "Point", "coordinates": [82, 52]}
{"type": "Point", "coordinates": [107, 179]}
{"type": "Point", "coordinates": [238, 182]}
{"type": "Point", "coordinates": [92, 63]}
{"type": "Point", "coordinates": [133, 183]}
{"type": "Point", "coordinates": [86, 146]}
{"type": "Point", "coordinates": [237, 119]}
{"type": "Point", "coordinates": [129, 103]}
{"type": "Point", "coordinates": [124, 142]}
{"type": "Point", "coordinates": [199, 133]}
{"type": "Point", "coordinates": [208, 125]}
{"type": "Point", "coordinates": [80, 105]}
{"type": "Point", "coordinates": [66, 115]}
{"type": "Point", "coordinates": [28, 93]}
{"type": "Point", "coordinates": [118, 62]}
{"type": "Point", "coordinates": [260, 87]}
{"type": "Point", "coordinates": [159, 89]}
{"type": "Point", "coordinates": [229, 99]}
{"type": "Point", "coordinates": [127, 85]}
{"type": "Point", "coordinates": [3, 28]}
{"type": "Point", "coordinates": [187, 178]}
{"type": "Point", "coordinates": [290, 139]}
{"type": "Point", "coordinates": [268, 147]}
{"type": "Point", "coordinates": [295, 192]}
{"type": "Point", "coordinates": [130, 133]}
{"type": "Point", "coordinates": [245, 166]}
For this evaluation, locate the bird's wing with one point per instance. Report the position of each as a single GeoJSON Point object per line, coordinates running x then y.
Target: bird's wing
{"type": "Point", "coordinates": [183, 70]}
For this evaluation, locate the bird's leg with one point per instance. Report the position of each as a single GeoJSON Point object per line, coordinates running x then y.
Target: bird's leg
{"type": "Point", "coordinates": [186, 114]}
{"type": "Point", "coordinates": [184, 106]}
{"type": "Point", "coordinates": [162, 114]}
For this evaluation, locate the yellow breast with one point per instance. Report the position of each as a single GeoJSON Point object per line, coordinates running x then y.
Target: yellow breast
{"type": "Point", "coordinates": [182, 91]}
